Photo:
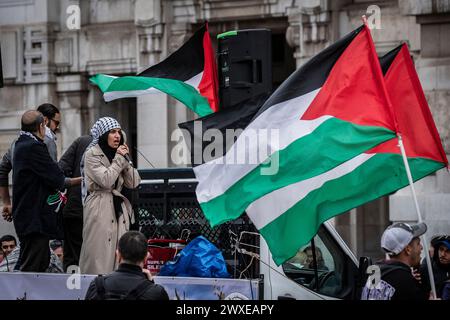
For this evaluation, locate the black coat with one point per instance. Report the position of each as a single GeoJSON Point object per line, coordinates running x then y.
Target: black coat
{"type": "Point", "coordinates": [70, 165]}
{"type": "Point", "coordinates": [397, 283]}
{"type": "Point", "coordinates": [125, 279]}
{"type": "Point", "coordinates": [35, 177]}
{"type": "Point", "coordinates": [441, 273]}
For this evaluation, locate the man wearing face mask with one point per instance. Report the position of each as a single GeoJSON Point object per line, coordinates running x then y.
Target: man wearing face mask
{"type": "Point", "coordinates": [35, 177]}
{"type": "Point", "coordinates": [52, 119]}
{"type": "Point", "coordinates": [107, 213]}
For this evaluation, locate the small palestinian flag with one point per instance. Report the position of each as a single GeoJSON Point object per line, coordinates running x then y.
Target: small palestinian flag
{"type": "Point", "coordinates": [332, 109]}
{"type": "Point", "coordinates": [189, 75]}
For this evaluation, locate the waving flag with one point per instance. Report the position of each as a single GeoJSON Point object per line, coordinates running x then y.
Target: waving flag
{"type": "Point", "coordinates": [235, 118]}
{"type": "Point", "coordinates": [189, 75]}
{"type": "Point", "coordinates": [332, 109]}
{"type": "Point", "coordinates": [289, 217]}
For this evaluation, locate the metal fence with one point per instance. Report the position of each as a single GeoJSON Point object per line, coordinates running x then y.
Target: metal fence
{"type": "Point", "coordinates": [167, 208]}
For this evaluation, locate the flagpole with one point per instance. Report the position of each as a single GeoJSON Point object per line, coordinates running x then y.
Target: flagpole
{"type": "Point", "coordinates": [413, 191]}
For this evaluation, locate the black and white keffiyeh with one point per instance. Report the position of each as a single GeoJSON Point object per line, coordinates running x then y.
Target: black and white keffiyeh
{"type": "Point", "coordinates": [29, 134]}
{"type": "Point", "coordinates": [102, 126]}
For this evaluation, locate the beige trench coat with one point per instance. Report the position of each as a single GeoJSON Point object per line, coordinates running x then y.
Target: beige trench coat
{"type": "Point", "coordinates": [101, 231]}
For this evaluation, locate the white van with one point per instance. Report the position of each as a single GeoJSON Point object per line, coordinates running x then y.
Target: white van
{"type": "Point", "coordinates": [165, 193]}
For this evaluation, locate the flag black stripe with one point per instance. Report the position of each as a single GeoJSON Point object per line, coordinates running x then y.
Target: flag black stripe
{"type": "Point", "coordinates": [183, 64]}
{"type": "Point", "coordinates": [388, 58]}
{"type": "Point", "coordinates": [312, 75]}
{"type": "Point", "coordinates": [236, 117]}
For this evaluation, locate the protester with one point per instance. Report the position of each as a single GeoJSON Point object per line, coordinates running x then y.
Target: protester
{"type": "Point", "coordinates": [402, 244]}
{"type": "Point", "coordinates": [35, 178]}
{"type": "Point", "coordinates": [12, 263]}
{"type": "Point", "coordinates": [57, 247]}
{"type": "Point", "coordinates": [52, 120]}
{"type": "Point", "coordinates": [130, 281]}
{"type": "Point", "coordinates": [107, 214]}
{"type": "Point", "coordinates": [9, 262]}
{"type": "Point", "coordinates": [73, 210]}
{"type": "Point", "coordinates": [440, 262]}
{"type": "Point", "coordinates": [8, 243]}
{"type": "Point", "coordinates": [310, 258]}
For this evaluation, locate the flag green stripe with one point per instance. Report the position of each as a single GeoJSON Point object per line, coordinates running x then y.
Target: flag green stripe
{"type": "Point", "coordinates": [181, 91]}
{"type": "Point", "coordinates": [332, 143]}
{"type": "Point", "coordinates": [301, 222]}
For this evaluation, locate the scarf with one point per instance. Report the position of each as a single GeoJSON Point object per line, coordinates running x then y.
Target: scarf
{"type": "Point", "coordinates": [102, 126]}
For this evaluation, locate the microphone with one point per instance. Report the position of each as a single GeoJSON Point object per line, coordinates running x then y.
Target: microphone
{"type": "Point", "coordinates": [127, 157]}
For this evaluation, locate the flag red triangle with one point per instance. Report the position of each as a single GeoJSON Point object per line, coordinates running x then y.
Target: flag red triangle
{"type": "Point", "coordinates": [415, 122]}
{"type": "Point", "coordinates": [354, 90]}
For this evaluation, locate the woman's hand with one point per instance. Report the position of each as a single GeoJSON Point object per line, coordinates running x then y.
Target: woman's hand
{"type": "Point", "coordinates": [123, 150]}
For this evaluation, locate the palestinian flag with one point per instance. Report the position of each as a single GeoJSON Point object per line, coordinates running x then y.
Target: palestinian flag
{"type": "Point", "coordinates": [332, 109]}
{"type": "Point", "coordinates": [235, 118]}
{"type": "Point", "coordinates": [189, 75]}
{"type": "Point", "coordinates": [289, 217]}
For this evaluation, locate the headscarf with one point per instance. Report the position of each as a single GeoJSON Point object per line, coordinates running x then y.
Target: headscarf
{"type": "Point", "coordinates": [109, 152]}
{"type": "Point", "coordinates": [102, 126]}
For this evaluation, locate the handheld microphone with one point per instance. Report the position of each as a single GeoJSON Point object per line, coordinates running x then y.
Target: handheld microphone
{"type": "Point", "coordinates": [127, 157]}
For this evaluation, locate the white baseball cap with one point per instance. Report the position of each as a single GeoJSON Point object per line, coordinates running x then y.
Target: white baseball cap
{"type": "Point", "coordinates": [397, 236]}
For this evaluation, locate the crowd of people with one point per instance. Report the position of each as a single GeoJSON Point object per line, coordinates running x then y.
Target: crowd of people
{"type": "Point", "coordinates": [403, 275]}
{"type": "Point", "coordinates": [72, 212]}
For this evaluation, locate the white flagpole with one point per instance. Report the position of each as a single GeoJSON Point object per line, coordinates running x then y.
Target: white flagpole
{"type": "Point", "coordinates": [413, 191]}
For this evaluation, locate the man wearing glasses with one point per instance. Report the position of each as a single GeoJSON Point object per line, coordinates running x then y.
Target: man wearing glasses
{"type": "Point", "coordinates": [52, 120]}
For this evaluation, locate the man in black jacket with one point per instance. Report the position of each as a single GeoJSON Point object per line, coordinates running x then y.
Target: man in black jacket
{"type": "Point", "coordinates": [130, 281]}
{"type": "Point", "coordinates": [35, 177]}
{"type": "Point", "coordinates": [401, 242]}
{"type": "Point", "coordinates": [440, 262]}
{"type": "Point", "coordinates": [73, 210]}
{"type": "Point", "coordinates": [52, 119]}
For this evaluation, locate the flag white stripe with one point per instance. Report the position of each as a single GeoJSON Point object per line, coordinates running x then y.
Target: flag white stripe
{"type": "Point", "coordinates": [113, 95]}
{"type": "Point", "coordinates": [269, 207]}
{"type": "Point", "coordinates": [285, 117]}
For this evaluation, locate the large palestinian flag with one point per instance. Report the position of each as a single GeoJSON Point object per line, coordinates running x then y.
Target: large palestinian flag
{"type": "Point", "coordinates": [189, 75]}
{"type": "Point", "coordinates": [332, 109]}
{"type": "Point", "coordinates": [289, 217]}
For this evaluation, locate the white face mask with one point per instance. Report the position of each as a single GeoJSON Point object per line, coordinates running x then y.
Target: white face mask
{"type": "Point", "coordinates": [42, 131]}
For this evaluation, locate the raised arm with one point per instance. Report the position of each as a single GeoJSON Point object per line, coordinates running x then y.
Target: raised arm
{"type": "Point", "coordinates": [104, 176]}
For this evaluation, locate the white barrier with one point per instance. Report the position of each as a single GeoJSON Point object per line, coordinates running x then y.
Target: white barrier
{"type": "Point", "coordinates": [51, 286]}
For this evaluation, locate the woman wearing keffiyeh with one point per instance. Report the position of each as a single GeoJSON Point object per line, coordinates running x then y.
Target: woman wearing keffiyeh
{"type": "Point", "coordinates": [107, 214]}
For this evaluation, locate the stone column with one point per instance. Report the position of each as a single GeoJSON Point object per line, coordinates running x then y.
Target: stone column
{"type": "Point", "coordinates": [177, 111]}
{"type": "Point", "coordinates": [152, 114]}
{"type": "Point", "coordinates": [309, 29]}
{"type": "Point", "coordinates": [72, 95]}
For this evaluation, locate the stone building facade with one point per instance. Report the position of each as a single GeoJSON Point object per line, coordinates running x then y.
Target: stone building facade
{"type": "Point", "coordinates": [46, 59]}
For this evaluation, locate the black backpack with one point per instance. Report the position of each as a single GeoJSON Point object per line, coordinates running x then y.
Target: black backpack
{"type": "Point", "coordinates": [134, 294]}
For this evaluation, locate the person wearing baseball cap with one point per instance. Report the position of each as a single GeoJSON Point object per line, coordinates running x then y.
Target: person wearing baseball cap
{"type": "Point", "coordinates": [402, 244]}
{"type": "Point", "coordinates": [440, 262]}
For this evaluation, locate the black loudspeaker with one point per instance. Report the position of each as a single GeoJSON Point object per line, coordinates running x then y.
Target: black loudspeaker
{"type": "Point", "coordinates": [245, 65]}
